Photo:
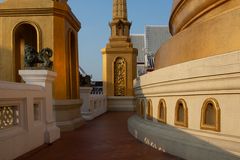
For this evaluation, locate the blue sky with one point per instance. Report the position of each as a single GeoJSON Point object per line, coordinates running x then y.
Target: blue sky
{"type": "Point", "coordinates": [95, 15]}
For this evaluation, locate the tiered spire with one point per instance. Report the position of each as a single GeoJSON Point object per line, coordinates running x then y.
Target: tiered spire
{"type": "Point", "coordinates": [119, 56]}
{"type": "Point", "coordinates": [119, 9]}
{"type": "Point", "coordinates": [120, 26]}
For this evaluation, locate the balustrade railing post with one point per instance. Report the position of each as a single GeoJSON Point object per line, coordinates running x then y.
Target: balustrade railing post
{"type": "Point", "coordinates": [44, 78]}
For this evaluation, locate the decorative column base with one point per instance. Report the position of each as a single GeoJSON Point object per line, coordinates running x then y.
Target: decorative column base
{"type": "Point", "coordinates": [68, 114]}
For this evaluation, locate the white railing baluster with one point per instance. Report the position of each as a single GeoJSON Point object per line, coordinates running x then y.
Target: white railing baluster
{"type": "Point", "coordinates": [94, 103]}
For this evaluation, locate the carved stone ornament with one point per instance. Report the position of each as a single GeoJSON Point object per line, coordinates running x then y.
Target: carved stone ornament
{"type": "Point", "coordinates": [9, 116]}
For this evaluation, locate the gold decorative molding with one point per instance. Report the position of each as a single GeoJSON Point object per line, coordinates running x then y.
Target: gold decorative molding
{"type": "Point", "coordinates": [120, 79]}
{"type": "Point", "coordinates": [203, 125]}
{"type": "Point", "coordinates": [183, 123]}
{"type": "Point", "coordinates": [23, 12]}
{"type": "Point", "coordinates": [9, 116]}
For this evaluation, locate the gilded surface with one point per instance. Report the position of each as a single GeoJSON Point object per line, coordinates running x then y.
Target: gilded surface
{"type": "Point", "coordinates": [9, 116]}
{"type": "Point", "coordinates": [40, 24]}
{"type": "Point", "coordinates": [120, 77]}
{"type": "Point", "coordinates": [201, 30]}
{"type": "Point", "coordinates": [119, 9]}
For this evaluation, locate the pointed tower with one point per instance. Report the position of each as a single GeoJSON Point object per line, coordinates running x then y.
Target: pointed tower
{"type": "Point", "coordinates": [119, 61]}
{"type": "Point", "coordinates": [119, 56]}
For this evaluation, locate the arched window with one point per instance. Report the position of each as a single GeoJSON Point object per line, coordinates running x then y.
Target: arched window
{"type": "Point", "coordinates": [149, 110]}
{"type": "Point", "coordinates": [210, 115]}
{"type": "Point", "coordinates": [162, 111]}
{"type": "Point", "coordinates": [23, 34]}
{"type": "Point", "coordinates": [181, 113]}
{"type": "Point", "coordinates": [120, 67]}
{"type": "Point", "coordinates": [142, 108]}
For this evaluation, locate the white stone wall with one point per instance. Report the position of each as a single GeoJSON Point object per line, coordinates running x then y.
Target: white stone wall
{"type": "Point", "coordinates": [121, 103]}
{"type": "Point", "coordinates": [35, 125]}
{"type": "Point", "coordinates": [94, 105]}
{"type": "Point", "coordinates": [215, 77]}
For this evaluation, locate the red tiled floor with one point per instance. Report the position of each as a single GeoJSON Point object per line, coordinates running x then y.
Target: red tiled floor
{"type": "Point", "coordinates": [105, 138]}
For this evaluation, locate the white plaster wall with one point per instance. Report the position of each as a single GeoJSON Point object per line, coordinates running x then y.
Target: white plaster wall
{"type": "Point", "coordinates": [195, 81]}
{"type": "Point", "coordinates": [85, 93]}
{"type": "Point", "coordinates": [29, 133]}
{"type": "Point", "coordinates": [121, 103]}
{"type": "Point", "coordinates": [228, 104]}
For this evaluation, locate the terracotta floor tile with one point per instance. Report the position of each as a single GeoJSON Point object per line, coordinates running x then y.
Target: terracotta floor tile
{"type": "Point", "coordinates": [105, 138]}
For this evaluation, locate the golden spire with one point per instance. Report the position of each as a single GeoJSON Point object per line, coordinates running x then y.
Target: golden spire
{"type": "Point", "coordinates": [120, 9]}
{"type": "Point", "coordinates": [120, 27]}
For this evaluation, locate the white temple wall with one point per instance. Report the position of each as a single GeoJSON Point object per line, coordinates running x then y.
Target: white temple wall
{"type": "Point", "coordinates": [215, 79]}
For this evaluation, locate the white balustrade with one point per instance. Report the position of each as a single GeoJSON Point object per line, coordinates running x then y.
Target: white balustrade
{"type": "Point", "coordinates": [94, 105]}
{"type": "Point", "coordinates": [26, 116]}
